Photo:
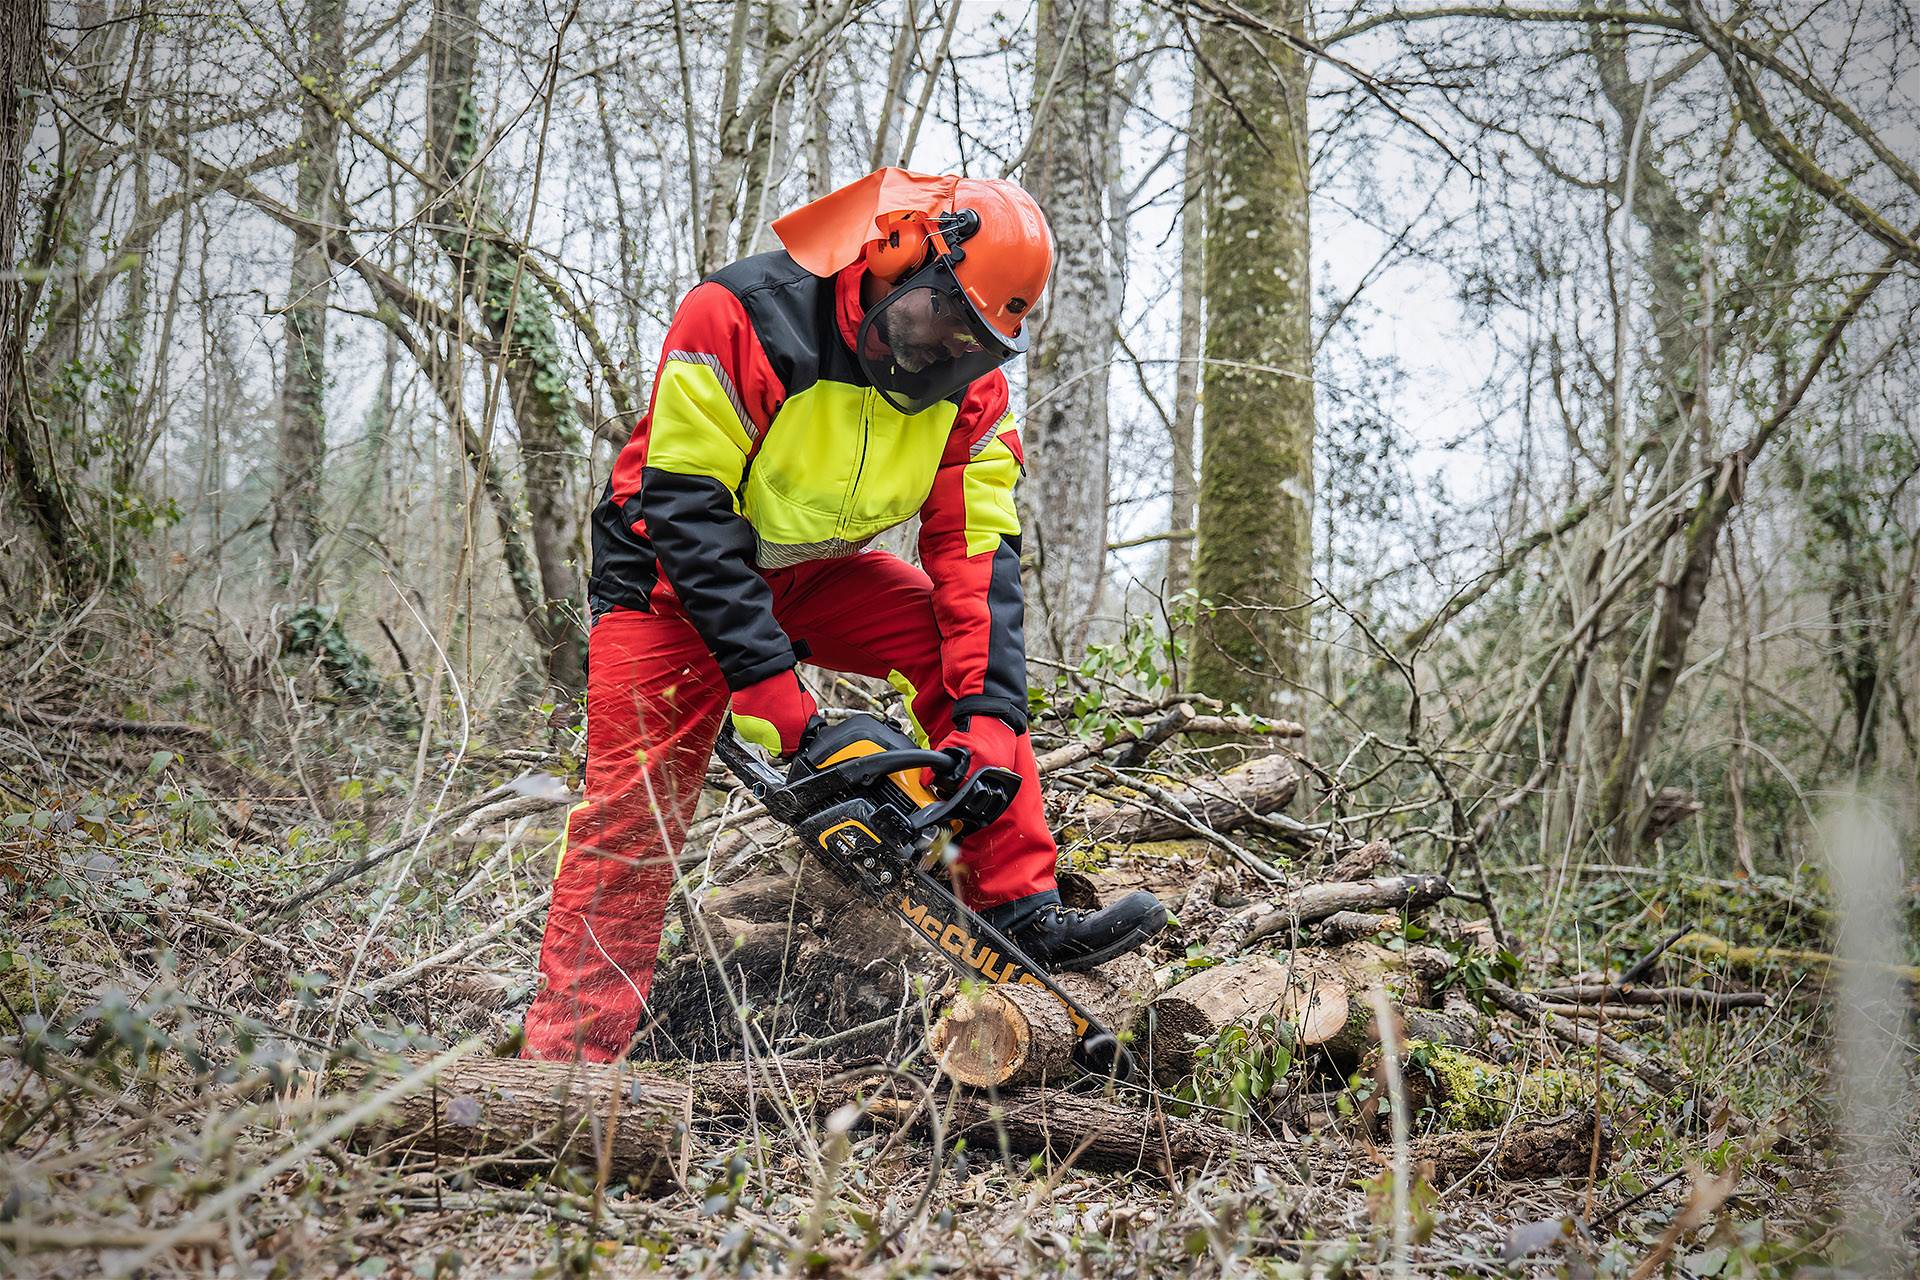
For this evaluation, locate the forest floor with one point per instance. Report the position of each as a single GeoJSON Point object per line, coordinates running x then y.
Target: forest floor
{"type": "Point", "coordinates": [172, 1043]}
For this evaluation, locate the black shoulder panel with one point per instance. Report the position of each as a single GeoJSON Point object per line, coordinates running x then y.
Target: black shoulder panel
{"type": "Point", "coordinates": [791, 311]}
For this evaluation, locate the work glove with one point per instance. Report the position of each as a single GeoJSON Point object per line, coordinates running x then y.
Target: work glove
{"type": "Point", "coordinates": [987, 740]}
{"type": "Point", "coordinates": [774, 713]}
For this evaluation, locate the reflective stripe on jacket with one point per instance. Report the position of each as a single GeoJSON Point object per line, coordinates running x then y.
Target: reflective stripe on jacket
{"type": "Point", "coordinates": [764, 446]}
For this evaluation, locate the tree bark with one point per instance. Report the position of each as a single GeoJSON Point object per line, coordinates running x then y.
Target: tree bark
{"type": "Point", "coordinates": [37, 480]}
{"type": "Point", "coordinates": [1255, 556]}
{"type": "Point", "coordinates": [302, 449]}
{"type": "Point", "coordinates": [23, 38]}
{"type": "Point", "coordinates": [517, 315]}
{"type": "Point", "coordinates": [775, 136]}
{"type": "Point", "coordinates": [1072, 175]}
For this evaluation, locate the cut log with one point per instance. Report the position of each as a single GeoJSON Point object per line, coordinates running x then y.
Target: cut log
{"type": "Point", "coordinates": [1221, 803]}
{"type": "Point", "coordinates": [1315, 902]}
{"type": "Point", "coordinates": [1555, 1149]}
{"type": "Point", "coordinates": [1196, 1011]}
{"type": "Point", "coordinates": [534, 1115]}
{"type": "Point", "coordinates": [1004, 1036]}
{"type": "Point", "coordinates": [1357, 967]}
{"type": "Point", "coordinates": [1319, 991]}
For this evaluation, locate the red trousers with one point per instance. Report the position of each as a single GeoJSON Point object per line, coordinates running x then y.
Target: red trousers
{"type": "Point", "coordinates": [655, 699]}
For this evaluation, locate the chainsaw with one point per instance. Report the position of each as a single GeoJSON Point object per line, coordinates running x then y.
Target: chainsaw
{"type": "Point", "coordinates": [854, 794]}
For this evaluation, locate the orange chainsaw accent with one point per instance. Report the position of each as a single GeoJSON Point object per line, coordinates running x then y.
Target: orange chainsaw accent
{"type": "Point", "coordinates": [910, 781]}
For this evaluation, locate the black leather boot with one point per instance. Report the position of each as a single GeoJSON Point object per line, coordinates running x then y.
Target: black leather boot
{"type": "Point", "coordinates": [1059, 938]}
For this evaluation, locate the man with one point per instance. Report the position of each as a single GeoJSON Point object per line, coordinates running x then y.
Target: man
{"type": "Point", "coordinates": [806, 401]}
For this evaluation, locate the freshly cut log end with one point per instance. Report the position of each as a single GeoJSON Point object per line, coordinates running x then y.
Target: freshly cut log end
{"type": "Point", "coordinates": [1004, 1036]}
{"type": "Point", "coordinates": [1009, 1035]}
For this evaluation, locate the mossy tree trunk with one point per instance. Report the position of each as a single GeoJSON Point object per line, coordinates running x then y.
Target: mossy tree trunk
{"type": "Point", "coordinates": [302, 444]}
{"type": "Point", "coordinates": [1072, 175]}
{"type": "Point", "coordinates": [1255, 555]}
{"type": "Point", "coordinates": [31, 488]}
{"type": "Point", "coordinates": [518, 317]}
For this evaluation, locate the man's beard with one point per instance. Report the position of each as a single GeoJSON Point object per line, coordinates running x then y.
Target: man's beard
{"type": "Point", "coordinates": [912, 356]}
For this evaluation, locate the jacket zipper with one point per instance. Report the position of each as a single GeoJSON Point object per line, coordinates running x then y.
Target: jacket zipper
{"type": "Point", "coordinates": [859, 468]}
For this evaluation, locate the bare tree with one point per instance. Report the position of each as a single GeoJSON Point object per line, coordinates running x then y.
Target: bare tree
{"type": "Point", "coordinates": [1071, 173]}
{"type": "Point", "coordinates": [303, 375]}
{"type": "Point", "coordinates": [493, 274]}
{"type": "Point", "coordinates": [1186, 378]}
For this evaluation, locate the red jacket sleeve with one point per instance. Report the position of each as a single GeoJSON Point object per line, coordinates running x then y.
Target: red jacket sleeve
{"type": "Point", "coordinates": [713, 395]}
{"type": "Point", "coordinates": [970, 547]}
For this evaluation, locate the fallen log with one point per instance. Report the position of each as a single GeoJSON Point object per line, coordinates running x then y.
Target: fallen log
{"type": "Point", "coordinates": [1675, 997]}
{"type": "Point", "coordinates": [1319, 992]}
{"type": "Point", "coordinates": [1002, 1036]}
{"type": "Point", "coordinates": [1196, 1011]}
{"type": "Point", "coordinates": [1704, 946]}
{"type": "Point", "coordinates": [535, 1115]}
{"type": "Point", "coordinates": [638, 1120]}
{"type": "Point", "coordinates": [1651, 1073]}
{"type": "Point", "coordinates": [1314, 902]}
{"type": "Point", "coordinates": [1219, 803]}
{"type": "Point", "coordinates": [1557, 1149]}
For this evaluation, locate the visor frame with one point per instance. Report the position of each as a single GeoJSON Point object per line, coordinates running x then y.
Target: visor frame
{"type": "Point", "coordinates": [913, 393]}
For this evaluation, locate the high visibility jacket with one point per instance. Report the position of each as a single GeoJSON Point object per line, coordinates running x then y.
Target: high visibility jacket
{"type": "Point", "coordinates": [764, 446]}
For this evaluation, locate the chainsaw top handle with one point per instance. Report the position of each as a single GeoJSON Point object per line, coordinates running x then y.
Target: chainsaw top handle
{"type": "Point", "coordinates": [970, 801]}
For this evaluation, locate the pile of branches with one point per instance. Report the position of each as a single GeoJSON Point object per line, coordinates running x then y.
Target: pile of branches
{"type": "Point", "coordinates": [1311, 982]}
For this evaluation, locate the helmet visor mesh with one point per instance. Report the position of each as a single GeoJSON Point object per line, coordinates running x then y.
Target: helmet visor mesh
{"type": "Point", "coordinates": [923, 342]}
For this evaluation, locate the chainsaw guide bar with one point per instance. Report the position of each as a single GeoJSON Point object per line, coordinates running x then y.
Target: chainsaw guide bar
{"type": "Point", "coordinates": [855, 796]}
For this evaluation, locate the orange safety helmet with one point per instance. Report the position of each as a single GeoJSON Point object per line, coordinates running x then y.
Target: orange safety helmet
{"type": "Point", "coordinates": [967, 258]}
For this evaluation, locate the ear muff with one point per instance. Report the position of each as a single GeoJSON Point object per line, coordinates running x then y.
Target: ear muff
{"type": "Point", "coordinates": [901, 248]}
